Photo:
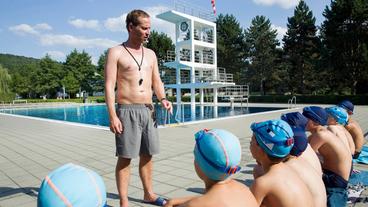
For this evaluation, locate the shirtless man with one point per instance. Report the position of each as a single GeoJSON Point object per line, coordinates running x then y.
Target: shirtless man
{"type": "Point", "coordinates": [337, 160]}
{"type": "Point", "coordinates": [217, 154]}
{"type": "Point", "coordinates": [353, 128]}
{"type": "Point", "coordinates": [280, 185]}
{"type": "Point", "coordinates": [337, 119]}
{"type": "Point", "coordinates": [301, 148]}
{"type": "Point", "coordinates": [133, 69]}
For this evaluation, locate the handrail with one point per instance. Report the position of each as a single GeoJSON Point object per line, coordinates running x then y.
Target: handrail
{"type": "Point", "coordinates": [194, 10]}
{"type": "Point", "coordinates": [292, 102]}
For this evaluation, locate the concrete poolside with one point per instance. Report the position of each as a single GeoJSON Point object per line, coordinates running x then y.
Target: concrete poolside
{"type": "Point", "coordinates": [30, 149]}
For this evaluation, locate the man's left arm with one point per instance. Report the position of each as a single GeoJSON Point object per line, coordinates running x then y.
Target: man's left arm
{"type": "Point", "coordinates": [158, 86]}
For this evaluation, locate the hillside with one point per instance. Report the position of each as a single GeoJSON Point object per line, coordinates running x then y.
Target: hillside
{"type": "Point", "coordinates": [14, 62]}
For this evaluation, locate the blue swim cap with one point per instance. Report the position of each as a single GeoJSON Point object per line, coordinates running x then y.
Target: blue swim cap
{"type": "Point", "coordinates": [218, 153]}
{"type": "Point", "coordinates": [347, 105]}
{"type": "Point", "coordinates": [72, 185]}
{"type": "Point", "coordinates": [300, 141]}
{"type": "Point", "coordinates": [339, 114]}
{"type": "Point", "coordinates": [316, 114]}
{"type": "Point", "coordinates": [295, 119]}
{"type": "Point", "coordinates": [274, 136]}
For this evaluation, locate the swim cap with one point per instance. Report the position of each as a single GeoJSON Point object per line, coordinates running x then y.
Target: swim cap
{"type": "Point", "coordinates": [72, 185]}
{"type": "Point", "coordinates": [347, 105]}
{"type": "Point", "coordinates": [339, 114]}
{"type": "Point", "coordinates": [274, 136]}
{"type": "Point", "coordinates": [300, 141]}
{"type": "Point", "coordinates": [218, 153]}
{"type": "Point", "coordinates": [316, 114]}
{"type": "Point", "coordinates": [295, 119]}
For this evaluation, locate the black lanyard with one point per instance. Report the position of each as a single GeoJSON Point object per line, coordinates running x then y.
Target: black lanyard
{"type": "Point", "coordinates": [139, 65]}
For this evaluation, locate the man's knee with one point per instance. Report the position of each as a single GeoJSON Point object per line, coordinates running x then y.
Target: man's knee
{"type": "Point", "coordinates": [123, 162]}
{"type": "Point", "coordinates": [145, 157]}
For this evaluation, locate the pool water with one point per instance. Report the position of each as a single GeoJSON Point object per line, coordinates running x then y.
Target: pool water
{"type": "Point", "coordinates": [97, 114]}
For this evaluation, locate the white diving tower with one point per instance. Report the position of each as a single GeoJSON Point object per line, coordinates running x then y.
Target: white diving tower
{"type": "Point", "coordinates": [195, 57]}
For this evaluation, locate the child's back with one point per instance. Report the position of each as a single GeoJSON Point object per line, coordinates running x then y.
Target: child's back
{"type": "Point", "coordinates": [281, 186]}
{"type": "Point", "coordinates": [229, 193]}
{"type": "Point", "coordinates": [311, 178]}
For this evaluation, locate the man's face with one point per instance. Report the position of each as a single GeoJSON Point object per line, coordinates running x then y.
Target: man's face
{"type": "Point", "coordinates": [142, 30]}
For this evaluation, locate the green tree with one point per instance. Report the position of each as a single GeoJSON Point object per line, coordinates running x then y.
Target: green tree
{"type": "Point", "coordinates": [101, 63]}
{"type": "Point", "coordinates": [70, 83]}
{"type": "Point", "coordinates": [98, 79]}
{"type": "Point", "coordinates": [5, 79]}
{"type": "Point", "coordinates": [230, 45]}
{"type": "Point", "coordinates": [345, 38]}
{"type": "Point", "coordinates": [261, 40]}
{"type": "Point", "coordinates": [160, 43]}
{"type": "Point", "coordinates": [81, 67]}
{"type": "Point", "coordinates": [25, 79]}
{"type": "Point", "coordinates": [301, 47]}
{"type": "Point", "coordinates": [48, 77]}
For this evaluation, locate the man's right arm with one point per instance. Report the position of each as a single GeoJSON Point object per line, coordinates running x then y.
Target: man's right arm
{"type": "Point", "coordinates": [110, 83]}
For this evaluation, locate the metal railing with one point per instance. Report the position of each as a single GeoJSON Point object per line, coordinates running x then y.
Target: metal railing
{"type": "Point", "coordinates": [183, 56]}
{"type": "Point", "coordinates": [205, 37]}
{"type": "Point", "coordinates": [194, 10]}
{"type": "Point", "coordinates": [203, 56]}
{"type": "Point", "coordinates": [292, 102]}
{"type": "Point", "coordinates": [235, 93]}
{"type": "Point", "coordinates": [170, 56]}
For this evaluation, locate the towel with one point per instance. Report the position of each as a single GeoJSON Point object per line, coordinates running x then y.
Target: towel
{"type": "Point", "coordinates": [363, 157]}
{"type": "Point", "coordinates": [357, 184]}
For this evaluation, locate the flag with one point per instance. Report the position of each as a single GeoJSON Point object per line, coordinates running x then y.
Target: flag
{"type": "Point", "coordinates": [213, 6]}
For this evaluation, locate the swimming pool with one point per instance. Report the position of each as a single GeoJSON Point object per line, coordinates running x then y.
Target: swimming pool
{"type": "Point", "coordinates": [97, 114]}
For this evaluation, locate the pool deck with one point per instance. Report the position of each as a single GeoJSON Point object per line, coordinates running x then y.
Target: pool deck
{"type": "Point", "coordinates": [31, 148]}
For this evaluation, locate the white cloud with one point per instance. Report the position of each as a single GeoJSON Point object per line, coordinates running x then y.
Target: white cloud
{"type": "Point", "coordinates": [281, 31]}
{"type": "Point", "coordinates": [56, 55]}
{"type": "Point", "coordinates": [159, 24]}
{"type": "Point", "coordinates": [23, 29]}
{"type": "Point", "coordinates": [42, 26]}
{"type": "Point", "coordinates": [87, 24]}
{"type": "Point", "coordinates": [115, 24]}
{"type": "Point", "coordinates": [77, 42]}
{"type": "Point", "coordinates": [48, 39]}
{"type": "Point", "coordinates": [286, 4]}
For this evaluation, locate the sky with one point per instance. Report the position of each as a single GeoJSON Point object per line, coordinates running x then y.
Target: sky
{"type": "Point", "coordinates": [34, 28]}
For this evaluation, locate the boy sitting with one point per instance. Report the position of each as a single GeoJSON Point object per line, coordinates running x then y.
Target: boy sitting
{"type": "Point", "coordinates": [337, 119]}
{"type": "Point", "coordinates": [335, 156]}
{"type": "Point", "coordinates": [217, 154]}
{"type": "Point", "coordinates": [279, 185]}
{"type": "Point", "coordinates": [300, 148]}
{"type": "Point", "coordinates": [353, 127]}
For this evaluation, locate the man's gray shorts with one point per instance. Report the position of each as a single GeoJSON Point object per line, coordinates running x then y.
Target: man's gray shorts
{"type": "Point", "coordinates": [139, 136]}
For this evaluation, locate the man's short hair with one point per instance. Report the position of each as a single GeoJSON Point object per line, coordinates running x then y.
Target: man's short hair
{"type": "Point", "coordinates": [132, 17]}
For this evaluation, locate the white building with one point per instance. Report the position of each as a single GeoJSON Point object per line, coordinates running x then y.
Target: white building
{"type": "Point", "coordinates": [195, 59]}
